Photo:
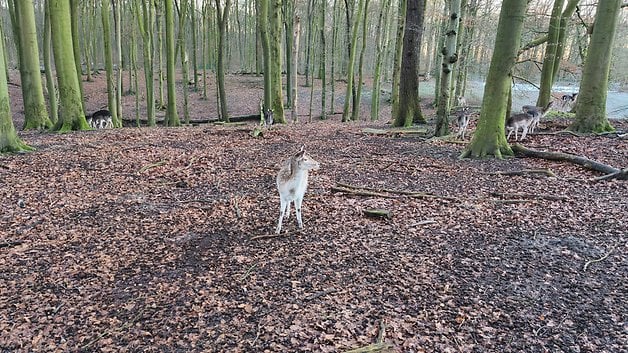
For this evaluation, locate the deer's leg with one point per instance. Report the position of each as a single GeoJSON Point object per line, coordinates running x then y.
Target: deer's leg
{"type": "Point", "coordinates": [297, 208]}
{"type": "Point", "coordinates": [283, 207]}
{"type": "Point", "coordinates": [525, 132]}
{"type": "Point", "coordinates": [509, 133]}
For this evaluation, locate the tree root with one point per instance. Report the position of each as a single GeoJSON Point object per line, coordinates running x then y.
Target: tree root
{"type": "Point", "coordinates": [520, 196]}
{"type": "Point", "coordinates": [524, 172]}
{"type": "Point", "coordinates": [150, 166]}
{"type": "Point", "coordinates": [379, 347]}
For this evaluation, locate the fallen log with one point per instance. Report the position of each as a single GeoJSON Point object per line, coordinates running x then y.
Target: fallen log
{"type": "Point", "coordinates": [572, 158]}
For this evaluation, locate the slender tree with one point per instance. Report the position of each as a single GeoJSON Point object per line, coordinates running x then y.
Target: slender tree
{"type": "Point", "coordinates": [591, 103]}
{"type": "Point", "coordinates": [172, 118]}
{"type": "Point", "coordinates": [381, 33]}
{"type": "Point", "coordinates": [551, 51]}
{"type": "Point", "coordinates": [108, 53]}
{"type": "Point", "coordinates": [276, 62]}
{"type": "Point", "coordinates": [221, 19]}
{"type": "Point", "coordinates": [74, 16]}
{"type": "Point", "coordinates": [262, 22]}
{"type": "Point", "coordinates": [489, 137]}
{"type": "Point", "coordinates": [145, 24]}
{"type": "Point", "coordinates": [71, 114]}
{"type": "Point", "coordinates": [295, 60]}
{"type": "Point", "coordinates": [409, 108]}
{"type": "Point", "coordinates": [358, 96]}
{"type": "Point", "coordinates": [9, 141]}
{"type": "Point", "coordinates": [450, 57]}
{"type": "Point", "coordinates": [351, 63]}
{"type": "Point", "coordinates": [35, 112]}
{"type": "Point", "coordinates": [396, 79]}
{"type": "Point", "coordinates": [50, 84]}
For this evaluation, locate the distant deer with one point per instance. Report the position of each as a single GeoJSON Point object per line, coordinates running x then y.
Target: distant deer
{"type": "Point", "coordinates": [101, 120]}
{"type": "Point", "coordinates": [268, 118]}
{"type": "Point", "coordinates": [568, 99]}
{"type": "Point", "coordinates": [539, 113]}
{"type": "Point", "coordinates": [521, 120]}
{"type": "Point", "coordinates": [461, 101]}
{"type": "Point", "coordinates": [463, 122]}
{"type": "Point", "coordinates": [292, 183]}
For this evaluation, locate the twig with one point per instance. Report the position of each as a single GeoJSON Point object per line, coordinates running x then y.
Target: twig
{"type": "Point", "coordinates": [586, 265]}
{"type": "Point", "coordinates": [153, 165]}
{"type": "Point", "coordinates": [108, 332]}
{"type": "Point", "coordinates": [529, 196]}
{"type": "Point", "coordinates": [422, 223]}
{"type": "Point", "coordinates": [561, 132]}
{"type": "Point", "coordinates": [248, 272]}
{"type": "Point", "coordinates": [621, 175]}
{"type": "Point", "coordinates": [10, 244]}
{"type": "Point", "coordinates": [320, 294]}
{"type": "Point", "coordinates": [547, 172]}
{"type": "Point", "coordinates": [367, 191]}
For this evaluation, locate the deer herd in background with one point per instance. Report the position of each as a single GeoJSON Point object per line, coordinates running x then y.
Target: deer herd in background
{"type": "Point", "coordinates": [527, 121]}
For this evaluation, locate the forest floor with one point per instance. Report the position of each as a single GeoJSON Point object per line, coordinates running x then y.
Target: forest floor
{"type": "Point", "coordinates": [144, 240]}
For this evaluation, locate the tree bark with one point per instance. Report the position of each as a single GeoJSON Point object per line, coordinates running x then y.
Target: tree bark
{"type": "Point", "coordinates": [111, 88]}
{"type": "Point", "coordinates": [221, 20]}
{"type": "Point", "coordinates": [71, 114]}
{"type": "Point", "coordinates": [450, 57]}
{"type": "Point", "coordinates": [172, 118]}
{"type": "Point", "coordinates": [591, 102]}
{"type": "Point", "coordinates": [551, 50]}
{"type": "Point", "coordinates": [409, 105]}
{"type": "Point", "coordinates": [351, 63]}
{"type": "Point", "coordinates": [490, 138]}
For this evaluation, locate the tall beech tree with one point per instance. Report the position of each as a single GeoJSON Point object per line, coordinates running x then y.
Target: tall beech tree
{"type": "Point", "coordinates": [172, 118]}
{"type": "Point", "coordinates": [450, 57]}
{"type": "Point", "coordinates": [145, 23]}
{"type": "Point", "coordinates": [409, 110]}
{"type": "Point", "coordinates": [9, 141]}
{"type": "Point", "coordinates": [108, 53]}
{"type": "Point", "coordinates": [275, 26]}
{"type": "Point", "coordinates": [222, 15]}
{"type": "Point", "coordinates": [71, 114]}
{"type": "Point", "coordinates": [490, 138]}
{"type": "Point", "coordinates": [551, 50]}
{"type": "Point", "coordinates": [591, 102]}
{"type": "Point", "coordinates": [35, 111]}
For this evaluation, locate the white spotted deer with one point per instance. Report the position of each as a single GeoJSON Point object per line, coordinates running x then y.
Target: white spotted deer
{"type": "Point", "coordinates": [292, 183]}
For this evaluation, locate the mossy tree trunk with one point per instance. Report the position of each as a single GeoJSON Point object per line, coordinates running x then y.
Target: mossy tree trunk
{"type": "Point", "coordinates": [381, 33]}
{"type": "Point", "coordinates": [108, 54]}
{"type": "Point", "coordinates": [35, 111]}
{"type": "Point", "coordinates": [276, 67]}
{"type": "Point", "coordinates": [145, 23]}
{"type": "Point", "coordinates": [262, 22]}
{"type": "Point", "coordinates": [358, 94]}
{"type": "Point", "coordinates": [9, 141]}
{"type": "Point", "coordinates": [295, 59]}
{"type": "Point", "coordinates": [172, 118]}
{"type": "Point", "coordinates": [591, 102]}
{"type": "Point", "coordinates": [409, 105]}
{"type": "Point", "coordinates": [74, 16]}
{"type": "Point", "coordinates": [222, 16]}
{"type": "Point", "coordinates": [117, 21]}
{"type": "Point", "coordinates": [50, 84]}
{"type": "Point", "coordinates": [549, 59]}
{"type": "Point", "coordinates": [396, 79]}
{"type": "Point", "coordinates": [351, 63]}
{"type": "Point", "coordinates": [184, 7]}
{"type": "Point", "coordinates": [71, 114]}
{"type": "Point", "coordinates": [323, 51]}
{"type": "Point", "coordinates": [450, 57]}
{"type": "Point", "coordinates": [288, 24]}
{"type": "Point", "coordinates": [490, 138]}
{"type": "Point", "coordinates": [562, 36]}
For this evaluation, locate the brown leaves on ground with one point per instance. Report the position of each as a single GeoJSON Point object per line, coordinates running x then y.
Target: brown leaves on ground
{"type": "Point", "coordinates": [134, 240]}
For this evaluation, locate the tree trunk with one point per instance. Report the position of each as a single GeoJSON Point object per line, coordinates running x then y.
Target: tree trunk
{"type": "Point", "coordinates": [351, 63]}
{"type": "Point", "coordinates": [35, 112]}
{"type": "Point", "coordinates": [111, 89]}
{"type": "Point", "coordinates": [185, 68]}
{"type": "Point", "coordinates": [262, 21]}
{"type": "Point", "coordinates": [71, 114]}
{"type": "Point", "coordinates": [380, 42]}
{"type": "Point", "coordinates": [591, 102]}
{"type": "Point", "coordinates": [9, 141]}
{"type": "Point", "coordinates": [294, 64]}
{"type": "Point", "coordinates": [172, 118]}
{"type": "Point", "coordinates": [550, 55]}
{"type": "Point", "coordinates": [490, 137]}
{"type": "Point", "coordinates": [276, 67]}
{"type": "Point", "coordinates": [117, 118]}
{"type": "Point", "coordinates": [288, 24]}
{"type": "Point", "coordinates": [450, 57]}
{"type": "Point", "coordinates": [409, 104]}
{"type": "Point", "coordinates": [145, 24]}
{"type": "Point", "coordinates": [358, 95]}
{"type": "Point", "coordinates": [323, 60]}
{"type": "Point", "coordinates": [396, 82]}
{"type": "Point", "coordinates": [50, 84]}
{"type": "Point", "coordinates": [221, 19]}
{"type": "Point", "coordinates": [74, 15]}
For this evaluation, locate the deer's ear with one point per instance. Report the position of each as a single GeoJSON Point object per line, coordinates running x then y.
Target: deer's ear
{"type": "Point", "coordinates": [300, 154]}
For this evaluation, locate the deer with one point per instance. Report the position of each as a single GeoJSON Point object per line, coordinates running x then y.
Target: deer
{"type": "Point", "coordinates": [521, 120]}
{"type": "Point", "coordinates": [568, 99]}
{"type": "Point", "coordinates": [268, 118]}
{"type": "Point", "coordinates": [100, 120]}
{"type": "Point", "coordinates": [540, 113]}
{"type": "Point", "coordinates": [292, 183]}
{"type": "Point", "coordinates": [463, 122]}
{"type": "Point", "coordinates": [461, 101]}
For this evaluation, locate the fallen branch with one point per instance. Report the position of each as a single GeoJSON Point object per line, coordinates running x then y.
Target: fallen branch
{"type": "Point", "coordinates": [524, 172]}
{"type": "Point", "coordinates": [320, 294]}
{"type": "Point", "coordinates": [366, 191]}
{"type": "Point", "coordinates": [422, 223]}
{"type": "Point", "coordinates": [621, 175]}
{"type": "Point", "coordinates": [586, 265]}
{"type": "Point", "coordinates": [519, 196]}
{"type": "Point", "coordinates": [559, 156]}
{"type": "Point", "coordinates": [379, 347]}
{"type": "Point", "coordinates": [377, 213]}
{"type": "Point", "coordinates": [150, 166]}
{"type": "Point", "coordinates": [561, 132]}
